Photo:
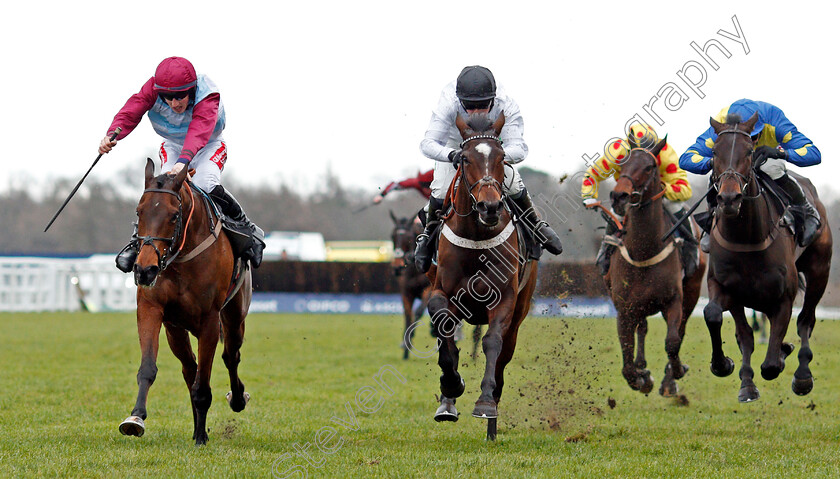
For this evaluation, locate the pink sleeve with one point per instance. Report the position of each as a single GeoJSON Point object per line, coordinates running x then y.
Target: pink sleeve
{"type": "Point", "coordinates": [130, 115]}
{"type": "Point", "coordinates": [204, 117]}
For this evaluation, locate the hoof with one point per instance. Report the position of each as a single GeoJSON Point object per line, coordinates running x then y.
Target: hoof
{"type": "Point", "coordinates": [237, 407]}
{"type": "Point", "coordinates": [669, 389]}
{"type": "Point", "coordinates": [802, 387]}
{"type": "Point", "coordinates": [446, 411]}
{"type": "Point", "coordinates": [485, 410]}
{"type": "Point", "coordinates": [727, 369]}
{"type": "Point", "coordinates": [771, 373]}
{"type": "Point", "coordinates": [748, 394]}
{"type": "Point", "coordinates": [133, 426]}
{"type": "Point", "coordinates": [646, 383]}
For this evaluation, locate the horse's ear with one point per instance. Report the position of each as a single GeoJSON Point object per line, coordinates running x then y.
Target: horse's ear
{"type": "Point", "coordinates": [393, 216]}
{"type": "Point", "coordinates": [499, 124]}
{"type": "Point", "coordinates": [180, 177]}
{"type": "Point", "coordinates": [750, 124]}
{"type": "Point", "coordinates": [661, 144]}
{"type": "Point", "coordinates": [150, 170]}
{"type": "Point", "coordinates": [632, 142]}
{"type": "Point", "coordinates": [462, 125]}
{"type": "Point", "coordinates": [718, 126]}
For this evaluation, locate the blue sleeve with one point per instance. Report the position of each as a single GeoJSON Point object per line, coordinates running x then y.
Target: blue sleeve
{"type": "Point", "coordinates": [698, 157]}
{"type": "Point", "coordinates": [801, 151]}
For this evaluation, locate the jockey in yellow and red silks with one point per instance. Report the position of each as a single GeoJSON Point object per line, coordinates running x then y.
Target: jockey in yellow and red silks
{"type": "Point", "coordinates": [675, 179]}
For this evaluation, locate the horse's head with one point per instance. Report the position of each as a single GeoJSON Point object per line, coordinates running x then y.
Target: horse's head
{"type": "Point", "coordinates": [483, 167]}
{"type": "Point", "coordinates": [403, 236]}
{"type": "Point", "coordinates": [639, 180]}
{"type": "Point", "coordinates": [160, 222]}
{"type": "Point", "coordinates": [732, 161]}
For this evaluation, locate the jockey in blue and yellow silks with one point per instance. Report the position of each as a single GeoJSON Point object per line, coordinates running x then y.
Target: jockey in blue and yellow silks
{"type": "Point", "coordinates": [675, 179]}
{"type": "Point", "coordinates": [776, 141]}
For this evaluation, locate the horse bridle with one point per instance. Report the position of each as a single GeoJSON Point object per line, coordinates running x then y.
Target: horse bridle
{"type": "Point", "coordinates": [637, 194]}
{"type": "Point", "coordinates": [487, 180]}
{"type": "Point", "coordinates": [743, 180]}
{"type": "Point", "coordinates": [172, 251]}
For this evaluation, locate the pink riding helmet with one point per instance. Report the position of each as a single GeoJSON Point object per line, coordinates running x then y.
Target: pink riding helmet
{"type": "Point", "coordinates": [174, 74]}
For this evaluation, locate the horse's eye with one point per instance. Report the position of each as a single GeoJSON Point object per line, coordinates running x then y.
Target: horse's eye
{"type": "Point", "coordinates": [174, 218]}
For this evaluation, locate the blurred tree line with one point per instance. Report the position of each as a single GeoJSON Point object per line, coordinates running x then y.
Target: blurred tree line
{"type": "Point", "coordinates": [99, 218]}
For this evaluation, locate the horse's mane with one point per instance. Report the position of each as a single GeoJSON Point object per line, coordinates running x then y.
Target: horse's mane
{"type": "Point", "coordinates": [733, 119]}
{"type": "Point", "coordinates": [480, 122]}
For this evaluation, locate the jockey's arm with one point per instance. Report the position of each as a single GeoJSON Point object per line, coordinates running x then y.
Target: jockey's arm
{"type": "Point", "coordinates": [204, 117]}
{"type": "Point", "coordinates": [132, 112]}
{"type": "Point", "coordinates": [675, 178]}
{"type": "Point", "coordinates": [434, 141]}
{"type": "Point", "coordinates": [698, 157]}
{"type": "Point", "coordinates": [800, 150]}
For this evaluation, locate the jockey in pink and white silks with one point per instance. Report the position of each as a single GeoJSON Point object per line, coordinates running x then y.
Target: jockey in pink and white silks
{"type": "Point", "coordinates": [186, 109]}
{"type": "Point", "coordinates": [475, 91]}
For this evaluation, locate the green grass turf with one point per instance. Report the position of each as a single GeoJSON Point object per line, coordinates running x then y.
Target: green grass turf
{"type": "Point", "coordinates": [68, 380]}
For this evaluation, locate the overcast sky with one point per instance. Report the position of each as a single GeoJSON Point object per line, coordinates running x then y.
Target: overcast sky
{"type": "Point", "coordinates": [350, 85]}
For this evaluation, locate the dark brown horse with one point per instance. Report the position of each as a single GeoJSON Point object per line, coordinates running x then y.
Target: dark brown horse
{"type": "Point", "coordinates": [647, 277]}
{"type": "Point", "coordinates": [184, 273]}
{"type": "Point", "coordinates": [413, 284]}
{"type": "Point", "coordinates": [754, 263]}
{"type": "Point", "coordinates": [481, 277]}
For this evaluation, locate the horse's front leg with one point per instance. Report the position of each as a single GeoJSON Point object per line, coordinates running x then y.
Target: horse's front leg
{"type": "Point", "coordinates": [498, 327]}
{"type": "Point", "coordinates": [675, 369]}
{"type": "Point", "coordinates": [746, 341]}
{"type": "Point", "coordinates": [149, 321]}
{"type": "Point", "coordinates": [179, 343]}
{"type": "Point", "coordinates": [452, 386]}
{"type": "Point", "coordinates": [777, 349]}
{"type": "Point", "coordinates": [234, 331]}
{"type": "Point", "coordinates": [200, 393]}
{"type": "Point", "coordinates": [721, 364]}
{"type": "Point", "coordinates": [637, 379]}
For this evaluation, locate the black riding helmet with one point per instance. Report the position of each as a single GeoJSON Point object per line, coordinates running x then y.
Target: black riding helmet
{"type": "Point", "coordinates": [476, 87]}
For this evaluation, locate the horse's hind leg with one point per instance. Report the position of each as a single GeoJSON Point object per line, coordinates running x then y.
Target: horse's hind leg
{"type": "Point", "coordinates": [777, 349]}
{"type": "Point", "coordinates": [149, 321]}
{"type": "Point", "coordinates": [675, 369]}
{"type": "Point", "coordinates": [746, 341]}
{"type": "Point", "coordinates": [641, 334]}
{"type": "Point", "coordinates": [817, 279]}
{"type": "Point", "coordinates": [200, 392]}
{"type": "Point", "coordinates": [179, 343]}
{"type": "Point", "coordinates": [234, 334]}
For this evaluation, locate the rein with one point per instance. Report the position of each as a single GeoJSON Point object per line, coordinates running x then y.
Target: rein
{"type": "Point", "coordinates": [747, 181]}
{"type": "Point", "coordinates": [171, 254]}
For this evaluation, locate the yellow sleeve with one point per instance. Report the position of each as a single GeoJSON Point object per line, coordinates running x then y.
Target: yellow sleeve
{"type": "Point", "coordinates": [602, 169]}
{"type": "Point", "coordinates": [675, 178]}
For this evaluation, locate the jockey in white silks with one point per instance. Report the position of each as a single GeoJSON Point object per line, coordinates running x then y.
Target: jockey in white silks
{"type": "Point", "coordinates": [475, 91]}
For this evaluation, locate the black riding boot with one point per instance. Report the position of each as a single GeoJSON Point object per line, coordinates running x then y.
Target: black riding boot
{"type": "Point", "coordinates": [607, 249]}
{"type": "Point", "coordinates": [545, 235]}
{"type": "Point", "coordinates": [423, 252]}
{"type": "Point", "coordinates": [231, 208]}
{"type": "Point", "coordinates": [688, 252]}
{"type": "Point", "coordinates": [128, 255]}
{"type": "Point", "coordinates": [806, 217]}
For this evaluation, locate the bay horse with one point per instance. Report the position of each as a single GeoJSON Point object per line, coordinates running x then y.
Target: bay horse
{"type": "Point", "coordinates": [481, 277]}
{"type": "Point", "coordinates": [184, 275]}
{"type": "Point", "coordinates": [647, 277]}
{"type": "Point", "coordinates": [754, 262]}
{"type": "Point", "coordinates": [413, 284]}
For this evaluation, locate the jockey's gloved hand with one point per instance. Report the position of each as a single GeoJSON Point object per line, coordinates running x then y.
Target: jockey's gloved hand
{"type": "Point", "coordinates": [455, 157]}
{"type": "Point", "coordinates": [589, 202]}
{"type": "Point", "coordinates": [762, 153]}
